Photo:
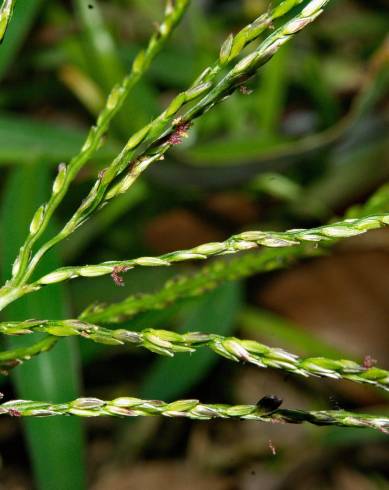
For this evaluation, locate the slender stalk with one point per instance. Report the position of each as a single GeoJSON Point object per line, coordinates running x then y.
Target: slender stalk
{"type": "Point", "coordinates": [236, 243]}
{"type": "Point", "coordinates": [5, 16]}
{"type": "Point", "coordinates": [150, 143]}
{"type": "Point", "coordinates": [66, 174]}
{"type": "Point", "coordinates": [169, 343]}
{"type": "Point", "coordinates": [192, 409]}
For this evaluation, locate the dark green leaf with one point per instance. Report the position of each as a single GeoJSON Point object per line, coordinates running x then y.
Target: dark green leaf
{"type": "Point", "coordinates": [24, 140]}
{"type": "Point", "coordinates": [56, 444]}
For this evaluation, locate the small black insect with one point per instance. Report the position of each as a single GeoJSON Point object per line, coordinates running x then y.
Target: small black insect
{"type": "Point", "coordinates": [269, 403]}
{"type": "Point", "coordinates": [334, 402]}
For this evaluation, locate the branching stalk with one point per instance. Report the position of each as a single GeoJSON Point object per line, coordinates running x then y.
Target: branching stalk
{"type": "Point", "coordinates": [150, 143]}
{"type": "Point", "coordinates": [66, 174]}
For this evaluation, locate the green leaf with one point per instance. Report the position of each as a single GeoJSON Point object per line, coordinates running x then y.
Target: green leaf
{"type": "Point", "coordinates": [55, 444]}
{"type": "Point", "coordinates": [215, 312]}
{"type": "Point", "coordinates": [44, 141]}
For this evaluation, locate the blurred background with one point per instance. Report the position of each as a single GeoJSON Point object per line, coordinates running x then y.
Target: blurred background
{"type": "Point", "coordinates": [308, 142]}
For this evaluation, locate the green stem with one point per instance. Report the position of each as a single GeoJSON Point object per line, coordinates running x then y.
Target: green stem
{"type": "Point", "coordinates": [192, 409]}
{"type": "Point", "coordinates": [169, 343]}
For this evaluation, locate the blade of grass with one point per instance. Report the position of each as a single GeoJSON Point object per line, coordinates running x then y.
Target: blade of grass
{"type": "Point", "coordinates": [56, 447]}
{"type": "Point", "coordinates": [45, 141]}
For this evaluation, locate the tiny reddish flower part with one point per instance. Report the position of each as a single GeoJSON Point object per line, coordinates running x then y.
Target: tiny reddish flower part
{"type": "Point", "coordinates": [244, 90]}
{"type": "Point", "coordinates": [369, 362]}
{"type": "Point", "coordinates": [14, 413]}
{"type": "Point", "coordinates": [116, 274]}
{"type": "Point", "coordinates": [180, 132]}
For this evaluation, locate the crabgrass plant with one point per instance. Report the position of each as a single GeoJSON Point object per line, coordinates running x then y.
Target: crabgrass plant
{"type": "Point", "coordinates": [241, 55]}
